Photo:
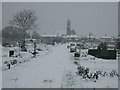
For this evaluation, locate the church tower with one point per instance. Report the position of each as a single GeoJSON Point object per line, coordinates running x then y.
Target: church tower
{"type": "Point", "coordinates": [68, 27]}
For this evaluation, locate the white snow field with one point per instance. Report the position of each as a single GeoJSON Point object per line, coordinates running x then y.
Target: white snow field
{"type": "Point", "coordinates": [55, 68]}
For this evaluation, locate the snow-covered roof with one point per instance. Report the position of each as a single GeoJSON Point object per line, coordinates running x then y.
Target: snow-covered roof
{"type": "Point", "coordinates": [112, 41]}
{"type": "Point", "coordinates": [48, 35]}
{"type": "Point", "coordinates": [30, 39]}
{"type": "Point", "coordinates": [110, 45]}
{"type": "Point", "coordinates": [106, 37]}
{"type": "Point", "coordinates": [91, 36]}
{"type": "Point", "coordinates": [71, 36]}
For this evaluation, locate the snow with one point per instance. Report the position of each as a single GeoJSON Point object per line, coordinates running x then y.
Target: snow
{"type": "Point", "coordinates": [91, 36]}
{"type": "Point", "coordinates": [54, 68]}
{"type": "Point", "coordinates": [106, 37]}
{"type": "Point", "coordinates": [51, 71]}
{"type": "Point", "coordinates": [71, 36]}
{"type": "Point", "coordinates": [48, 35]}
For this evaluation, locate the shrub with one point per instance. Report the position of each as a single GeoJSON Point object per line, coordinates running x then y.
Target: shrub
{"type": "Point", "coordinates": [102, 46]}
{"type": "Point", "coordinates": [15, 61]}
{"type": "Point", "coordinates": [93, 52]}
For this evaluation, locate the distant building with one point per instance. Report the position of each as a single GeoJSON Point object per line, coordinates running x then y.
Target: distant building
{"type": "Point", "coordinates": [51, 39]}
{"type": "Point", "coordinates": [118, 42]}
{"type": "Point", "coordinates": [69, 31]}
{"type": "Point", "coordinates": [73, 32]}
{"type": "Point", "coordinates": [110, 41]}
{"type": "Point", "coordinates": [68, 27]}
{"type": "Point", "coordinates": [106, 38]}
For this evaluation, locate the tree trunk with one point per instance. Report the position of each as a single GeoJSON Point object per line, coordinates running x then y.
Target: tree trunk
{"type": "Point", "coordinates": [23, 48]}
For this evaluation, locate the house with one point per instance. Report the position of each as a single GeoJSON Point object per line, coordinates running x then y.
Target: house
{"type": "Point", "coordinates": [106, 38]}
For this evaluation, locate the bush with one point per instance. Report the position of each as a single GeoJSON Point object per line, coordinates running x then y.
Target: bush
{"type": "Point", "coordinates": [108, 54]}
{"type": "Point", "coordinates": [102, 46]}
{"type": "Point", "coordinates": [93, 52]}
{"type": "Point", "coordinates": [13, 61]}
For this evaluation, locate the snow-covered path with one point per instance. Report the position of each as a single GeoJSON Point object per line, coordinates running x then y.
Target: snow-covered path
{"type": "Point", "coordinates": [41, 72]}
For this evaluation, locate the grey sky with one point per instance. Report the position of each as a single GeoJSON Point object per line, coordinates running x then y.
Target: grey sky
{"type": "Point", "coordinates": [97, 18]}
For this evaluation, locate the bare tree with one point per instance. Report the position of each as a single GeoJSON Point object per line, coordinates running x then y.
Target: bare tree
{"type": "Point", "coordinates": [24, 20]}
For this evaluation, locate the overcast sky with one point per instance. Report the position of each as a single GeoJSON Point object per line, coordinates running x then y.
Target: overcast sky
{"type": "Point", "coordinates": [97, 18]}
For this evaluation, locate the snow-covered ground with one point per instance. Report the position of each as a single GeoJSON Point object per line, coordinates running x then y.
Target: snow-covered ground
{"type": "Point", "coordinates": [55, 68]}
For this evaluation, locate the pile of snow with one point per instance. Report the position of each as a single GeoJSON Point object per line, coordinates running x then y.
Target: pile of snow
{"type": "Point", "coordinates": [25, 55]}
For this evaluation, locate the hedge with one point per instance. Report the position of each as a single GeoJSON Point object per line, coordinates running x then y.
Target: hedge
{"type": "Point", "coordinates": [104, 54]}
